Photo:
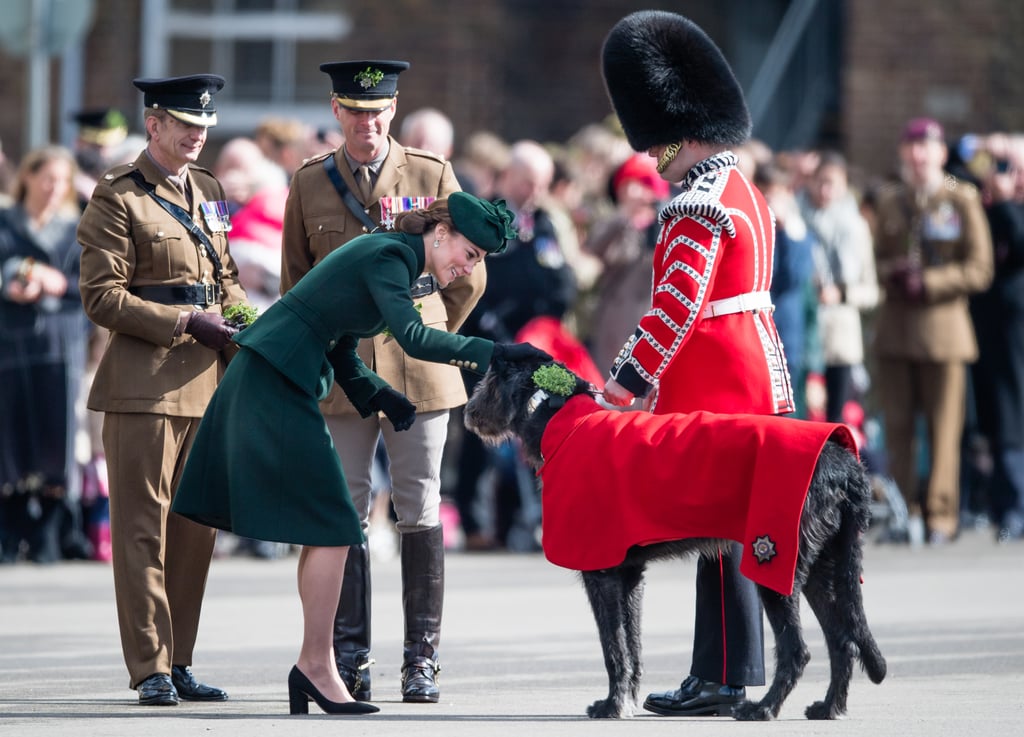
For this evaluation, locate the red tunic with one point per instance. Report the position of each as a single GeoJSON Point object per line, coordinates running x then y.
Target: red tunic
{"type": "Point", "coordinates": [717, 241]}
{"type": "Point", "coordinates": [613, 480]}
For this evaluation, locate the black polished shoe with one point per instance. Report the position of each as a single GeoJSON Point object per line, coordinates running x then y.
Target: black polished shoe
{"type": "Point", "coordinates": [301, 690]}
{"type": "Point", "coordinates": [189, 689]}
{"type": "Point", "coordinates": [157, 690]}
{"type": "Point", "coordinates": [696, 697]}
{"type": "Point", "coordinates": [419, 681]}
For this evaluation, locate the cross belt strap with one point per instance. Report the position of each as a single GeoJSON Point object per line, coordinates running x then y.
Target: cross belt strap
{"type": "Point", "coordinates": [183, 294]}
{"type": "Point", "coordinates": [182, 217]}
{"type": "Point", "coordinates": [749, 302]}
{"type": "Point", "coordinates": [346, 195]}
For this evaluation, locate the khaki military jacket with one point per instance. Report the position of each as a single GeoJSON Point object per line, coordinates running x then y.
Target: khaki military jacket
{"type": "Point", "coordinates": [949, 234]}
{"type": "Point", "coordinates": [128, 240]}
{"type": "Point", "coordinates": [316, 222]}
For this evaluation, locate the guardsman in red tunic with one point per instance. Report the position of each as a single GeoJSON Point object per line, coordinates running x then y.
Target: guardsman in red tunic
{"type": "Point", "coordinates": [708, 341]}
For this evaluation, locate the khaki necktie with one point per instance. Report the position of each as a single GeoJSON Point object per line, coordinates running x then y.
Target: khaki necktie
{"type": "Point", "coordinates": [181, 184]}
{"type": "Point", "coordinates": [365, 185]}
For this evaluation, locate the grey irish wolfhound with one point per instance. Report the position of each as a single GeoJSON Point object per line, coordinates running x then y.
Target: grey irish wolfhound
{"type": "Point", "coordinates": [836, 513]}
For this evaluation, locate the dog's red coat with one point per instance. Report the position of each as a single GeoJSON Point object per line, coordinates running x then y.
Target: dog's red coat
{"type": "Point", "coordinates": [617, 479]}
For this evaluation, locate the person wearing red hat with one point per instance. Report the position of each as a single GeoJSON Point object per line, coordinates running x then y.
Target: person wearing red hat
{"type": "Point", "coordinates": [933, 249]}
{"type": "Point", "coordinates": [708, 341]}
{"type": "Point", "coordinates": [624, 242]}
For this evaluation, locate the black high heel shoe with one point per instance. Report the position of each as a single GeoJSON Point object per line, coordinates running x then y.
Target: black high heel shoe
{"type": "Point", "coordinates": [301, 689]}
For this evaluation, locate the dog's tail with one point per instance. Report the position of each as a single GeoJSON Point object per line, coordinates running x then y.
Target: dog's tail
{"type": "Point", "coordinates": [855, 521]}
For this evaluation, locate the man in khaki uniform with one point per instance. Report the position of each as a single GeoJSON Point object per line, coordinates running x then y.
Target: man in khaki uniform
{"type": "Point", "coordinates": [933, 249]}
{"type": "Point", "coordinates": [375, 173]}
{"type": "Point", "coordinates": [156, 273]}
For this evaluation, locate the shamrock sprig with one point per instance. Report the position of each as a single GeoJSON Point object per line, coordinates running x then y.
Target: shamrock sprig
{"type": "Point", "coordinates": [369, 77]}
{"type": "Point", "coordinates": [554, 380]}
{"type": "Point", "coordinates": [241, 315]}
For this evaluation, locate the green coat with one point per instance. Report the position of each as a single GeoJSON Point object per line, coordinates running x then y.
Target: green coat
{"type": "Point", "coordinates": [316, 222]}
{"type": "Point", "coordinates": [263, 464]}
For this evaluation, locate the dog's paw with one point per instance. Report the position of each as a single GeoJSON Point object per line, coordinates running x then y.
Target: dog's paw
{"type": "Point", "coordinates": [608, 709]}
{"type": "Point", "coordinates": [751, 711]}
{"type": "Point", "coordinates": [821, 710]}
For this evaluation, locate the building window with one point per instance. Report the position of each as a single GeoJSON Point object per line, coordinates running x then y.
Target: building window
{"type": "Point", "coordinates": [268, 50]}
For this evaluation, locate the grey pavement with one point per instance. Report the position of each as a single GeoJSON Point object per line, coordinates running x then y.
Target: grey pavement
{"type": "Point", "coordinates": [519, 652]}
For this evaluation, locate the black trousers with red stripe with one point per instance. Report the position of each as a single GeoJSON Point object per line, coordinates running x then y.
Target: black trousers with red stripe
{"type": "Point", "coordinates": [728, 638]}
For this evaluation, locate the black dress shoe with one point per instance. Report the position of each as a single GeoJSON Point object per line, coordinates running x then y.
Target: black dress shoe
{"type": "Point", "coordinates": [419, 681]}
{"type": "Point", "coordinates": [301, 690]}
{"type": "Point", "coordinates": [190, 689]}
{"type": "Point", "coordinates": [158, 690]}
{"type": "Point", "coordinates": [696, 698]}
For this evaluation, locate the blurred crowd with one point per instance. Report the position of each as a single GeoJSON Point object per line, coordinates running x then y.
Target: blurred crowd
{"type": "Point", "coordinates": [899, 299]}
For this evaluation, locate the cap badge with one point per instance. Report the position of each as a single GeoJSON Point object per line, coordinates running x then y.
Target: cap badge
{"type": "Point", "coordinates": [204, 99]}
{"type": "Point", "coordinates": [369, 77]}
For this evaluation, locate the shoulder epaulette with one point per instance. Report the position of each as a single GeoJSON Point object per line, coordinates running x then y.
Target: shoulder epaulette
{"type": "Point", "coordinates": [315, 159]}
{"type": "Point", "coordinates": [422, 153]}
{"type": "Point", "coordinates": [117, 172]}
{"type": "Point", "coordinates": [699, 203]}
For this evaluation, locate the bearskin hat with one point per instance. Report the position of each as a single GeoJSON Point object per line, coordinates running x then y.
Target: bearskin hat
{"type": "Point", "coordinates": [669, 82]}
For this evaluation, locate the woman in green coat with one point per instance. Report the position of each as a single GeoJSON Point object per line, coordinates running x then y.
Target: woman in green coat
{"type": "Point", "coordinates": [263, 465]}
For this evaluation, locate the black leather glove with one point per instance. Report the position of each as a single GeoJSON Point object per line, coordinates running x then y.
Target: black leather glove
{"type": "Point", "coordinates": [516, 352]}
{"type": "Point", "coordinates": [210, 329]}
{"type": "Point", "coordinates": [395, 406]}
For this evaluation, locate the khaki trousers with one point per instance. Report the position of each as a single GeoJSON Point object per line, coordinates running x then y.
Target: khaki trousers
{"type": "Point", "coordinates": [415, 456]}
{"type": "Point", "coordinates": [936, 391]}
{"type": "Point", "coordinates": [160, 560]}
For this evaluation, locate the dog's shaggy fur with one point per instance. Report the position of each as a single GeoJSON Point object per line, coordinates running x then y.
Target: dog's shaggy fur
{"type": "Point", "coordinates": [836, 513]}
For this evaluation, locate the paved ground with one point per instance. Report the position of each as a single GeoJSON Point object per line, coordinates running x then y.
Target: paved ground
{"type": "Point", "coordinates": [520, 652]}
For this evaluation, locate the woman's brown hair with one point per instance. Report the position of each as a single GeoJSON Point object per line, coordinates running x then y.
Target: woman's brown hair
{"type": "Point", "coordinates": [35, 160]}
{"type": "Point", "coordinates": [418, 222]}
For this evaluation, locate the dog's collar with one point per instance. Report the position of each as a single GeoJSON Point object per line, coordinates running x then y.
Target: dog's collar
{"type": "Point", "coordinates": [539, 397]}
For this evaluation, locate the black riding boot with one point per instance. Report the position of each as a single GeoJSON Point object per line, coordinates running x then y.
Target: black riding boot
{"type": "Point", "coordinates": [422, 599]}
{"type": "Point", "coordinates": [352, 624]}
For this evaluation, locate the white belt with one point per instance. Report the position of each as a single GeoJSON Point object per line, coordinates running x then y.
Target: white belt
{"type": "Point", "coordinates": [748, 302]}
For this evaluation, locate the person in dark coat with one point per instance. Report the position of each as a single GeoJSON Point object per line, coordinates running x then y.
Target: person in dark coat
{"type": "Point", "coordinates": [264, 466]}
{"type": "Point", "coordinates": [43, 332]}
{"type": "Point", "coordinates": [530, 279]}
{"type": "Point", "coordinates": [998, 316]}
